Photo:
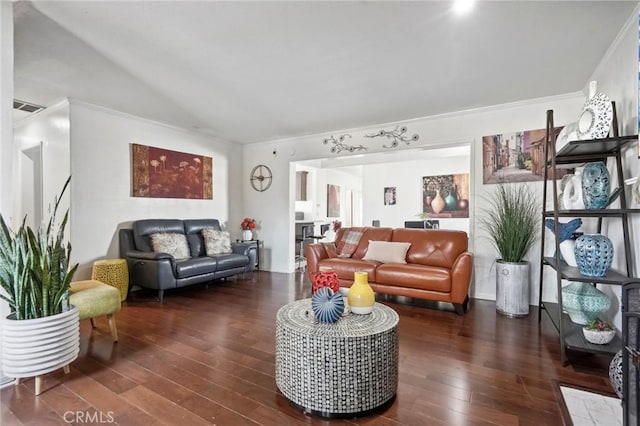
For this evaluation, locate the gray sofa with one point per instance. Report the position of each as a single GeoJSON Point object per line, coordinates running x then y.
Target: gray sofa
{"type": "Point", "coordinates": [161, 271]}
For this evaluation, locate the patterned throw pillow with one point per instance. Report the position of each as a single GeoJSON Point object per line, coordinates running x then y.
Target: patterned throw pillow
{"type": "Point", "coordinates": [331, 249]}
{"type": "Point", "coordinates": [349, 243]}
{"type": "Point", "coordinates": [171, 243]}
{"type": "Point", "coordinates": [216, 242]}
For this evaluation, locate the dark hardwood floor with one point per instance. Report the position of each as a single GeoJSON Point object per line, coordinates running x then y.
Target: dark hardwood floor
{"type": "Point", "coordinates": [206, 356]}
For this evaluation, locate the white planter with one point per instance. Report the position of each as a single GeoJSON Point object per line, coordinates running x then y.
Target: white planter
{"type": "Point", "coordinates": [512, 288]}
{"type": "Point", "coordinates": [247, 234]}
{"type": "Point", "coordinates": [599, 337]}
{"type": "Point", "coordinates": [31, 348]}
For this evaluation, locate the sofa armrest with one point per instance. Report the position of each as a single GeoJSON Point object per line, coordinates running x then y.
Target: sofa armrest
{"type": "Point", "coordinates": [241, 248]}
{"type": "Point", "coordinates": [461, 277]}
{"type": "Point", "coordinates": [151, 270]}
{"type": "Point", "coordinates": [314, 253]}
{"type": "Point", "coordinates": [248, 250]}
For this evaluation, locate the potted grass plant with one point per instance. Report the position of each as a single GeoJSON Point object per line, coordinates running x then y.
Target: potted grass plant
{"type": "Point", "coordinates": [42, 332]}
{"type": "Point", "coordinates": [512, 221]}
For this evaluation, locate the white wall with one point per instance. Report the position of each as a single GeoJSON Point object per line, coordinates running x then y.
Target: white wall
{"type": "Point", "coordinates": [617, 77]}
{"type": "Point", "coordinates": [407, 178]}
{"type": "Point", "coordinates": [349, 180]}
{"type": "Point", "coordinates": [7, 152]}
{"type": "Point", "coordinates": [445, 130]}
{"type": "Point", "coordinates": [101, 167]}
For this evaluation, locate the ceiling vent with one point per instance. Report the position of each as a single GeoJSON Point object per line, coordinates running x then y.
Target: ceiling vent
{"type": "Point", "coordinates": [26, 106]}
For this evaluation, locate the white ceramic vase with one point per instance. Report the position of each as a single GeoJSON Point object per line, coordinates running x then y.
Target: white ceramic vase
{"type": "Point", "coordinates": [572, 193]}
{"type": "Point", "coordinates": [247, 234]}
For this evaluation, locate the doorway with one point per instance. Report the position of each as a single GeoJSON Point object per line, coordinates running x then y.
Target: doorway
{"type": "Point", "coordinates": [31, 194]}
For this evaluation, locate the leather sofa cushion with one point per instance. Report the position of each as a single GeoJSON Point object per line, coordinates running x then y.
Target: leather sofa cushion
{"type": "Point", "coordinates": [345, 267]}
{"type": "Point", "coordinates": [195, 266]}
{"type": "Point", "coordinates": [413, 276]}
{"type": "Point", "coordinates": [432, 247]}
{"type": "Point", "coordinates": [230, 261]}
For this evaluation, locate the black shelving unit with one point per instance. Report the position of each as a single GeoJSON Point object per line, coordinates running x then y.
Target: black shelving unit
{"type": "Point", "coordinates": [631, 353]}
{"type": "Point", "coordinates": [573, 154]}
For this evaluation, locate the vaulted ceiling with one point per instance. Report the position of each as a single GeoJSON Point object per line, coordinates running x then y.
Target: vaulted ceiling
{"type": "Point", "coordinates": [254, 71]}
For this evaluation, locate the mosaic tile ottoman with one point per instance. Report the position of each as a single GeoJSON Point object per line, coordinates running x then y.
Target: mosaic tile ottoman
{"type": "Point", "coordinates": [345, 369]}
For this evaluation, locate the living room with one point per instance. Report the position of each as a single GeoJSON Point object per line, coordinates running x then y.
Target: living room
{"type": "Point", "coordinates": [91, 141]}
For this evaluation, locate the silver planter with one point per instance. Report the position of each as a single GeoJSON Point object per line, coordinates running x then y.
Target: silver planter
{"type": "Point", "coordinates": [512, 288]}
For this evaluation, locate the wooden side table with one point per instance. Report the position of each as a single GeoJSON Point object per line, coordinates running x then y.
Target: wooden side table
{"type": "Point", "coordinates": [113, 272]}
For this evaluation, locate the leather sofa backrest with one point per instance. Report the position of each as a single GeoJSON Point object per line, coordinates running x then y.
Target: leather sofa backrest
{"type": "Point", "coordinates": [433, 247]}
{"type": "Point", "coordinates": [374, 234]}
{"type": "Point", "coordinates": [193, 228]}
{"type": "Point", "coordinates": [142, 230]}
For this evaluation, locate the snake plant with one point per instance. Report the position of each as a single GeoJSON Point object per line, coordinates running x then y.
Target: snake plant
{"type": "Point", "coordinates": [34, 266]}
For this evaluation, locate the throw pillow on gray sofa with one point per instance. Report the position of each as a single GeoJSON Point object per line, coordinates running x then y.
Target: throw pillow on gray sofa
{"type": "Point", "coordinates": [216, 242]}
{"type": "Point", "coordinates": [171, 243]}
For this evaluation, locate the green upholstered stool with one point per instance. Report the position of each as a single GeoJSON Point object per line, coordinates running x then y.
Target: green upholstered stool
{"type": "Point", "coordinates": [95, 299]}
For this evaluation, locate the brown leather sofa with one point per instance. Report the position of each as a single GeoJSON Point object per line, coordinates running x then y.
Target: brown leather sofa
{"type": "Point", "coordinates": [438, 264]}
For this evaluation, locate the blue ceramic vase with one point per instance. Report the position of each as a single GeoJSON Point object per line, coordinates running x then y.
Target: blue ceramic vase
{"type": "Point", "coordinates": [583, 302]}
{"type": "Point", "coordinates": [594, 254]}
{"type": "Point", "coordinates": [595, 185]}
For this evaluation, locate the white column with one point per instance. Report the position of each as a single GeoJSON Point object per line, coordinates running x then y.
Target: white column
{"type": "Point", "coordinates": [6, 128]}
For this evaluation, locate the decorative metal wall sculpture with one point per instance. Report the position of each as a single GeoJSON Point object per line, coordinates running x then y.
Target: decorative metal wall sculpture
{"type": "Point", "coordinates": [396, 135]}
{"type": "Point", "coordinates": [339, 145]}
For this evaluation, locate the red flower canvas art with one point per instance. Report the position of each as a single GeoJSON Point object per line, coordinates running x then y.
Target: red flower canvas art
{"type": "Point", "coordinates": [162, 173]}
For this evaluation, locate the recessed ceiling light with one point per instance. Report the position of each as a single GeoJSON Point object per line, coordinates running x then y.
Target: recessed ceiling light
{"type": "Point", "coordinates": [461, 7]}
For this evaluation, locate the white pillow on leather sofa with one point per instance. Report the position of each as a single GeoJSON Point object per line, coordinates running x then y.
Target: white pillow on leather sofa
{"type": "Point", "coordinates": [387, 252]}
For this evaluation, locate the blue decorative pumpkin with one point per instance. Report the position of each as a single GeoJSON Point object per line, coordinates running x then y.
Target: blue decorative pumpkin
{"type": "Point", "coordinates": [327, 305]}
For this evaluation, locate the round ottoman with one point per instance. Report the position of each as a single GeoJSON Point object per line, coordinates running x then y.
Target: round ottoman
{"type": "Point", "coordinates": [345, 369]}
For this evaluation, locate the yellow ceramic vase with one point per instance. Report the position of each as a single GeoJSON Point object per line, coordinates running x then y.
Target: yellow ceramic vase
{"type": "Point", "coordinates": [361, 296]}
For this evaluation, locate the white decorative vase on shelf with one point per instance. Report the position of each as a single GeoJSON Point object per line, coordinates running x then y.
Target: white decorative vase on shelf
{"type": "Point", "coordinates": [567, 249]}
{"type": "Point", "coordinates": [598, 337]}
{"type": "Point", "coordinates": [247, 234]}
{"type": "Point", "coordinates": [572, 193]}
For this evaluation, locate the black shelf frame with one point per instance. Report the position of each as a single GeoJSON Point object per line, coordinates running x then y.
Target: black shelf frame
{"type": "Point", "coordinates": [573, 335]}
{"type": "Point", "coordinates": [573, 154]}
{"type": "Point", "coordinates": [571, 273]}
{"type": "Point", "coordinates": [631, 356]}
